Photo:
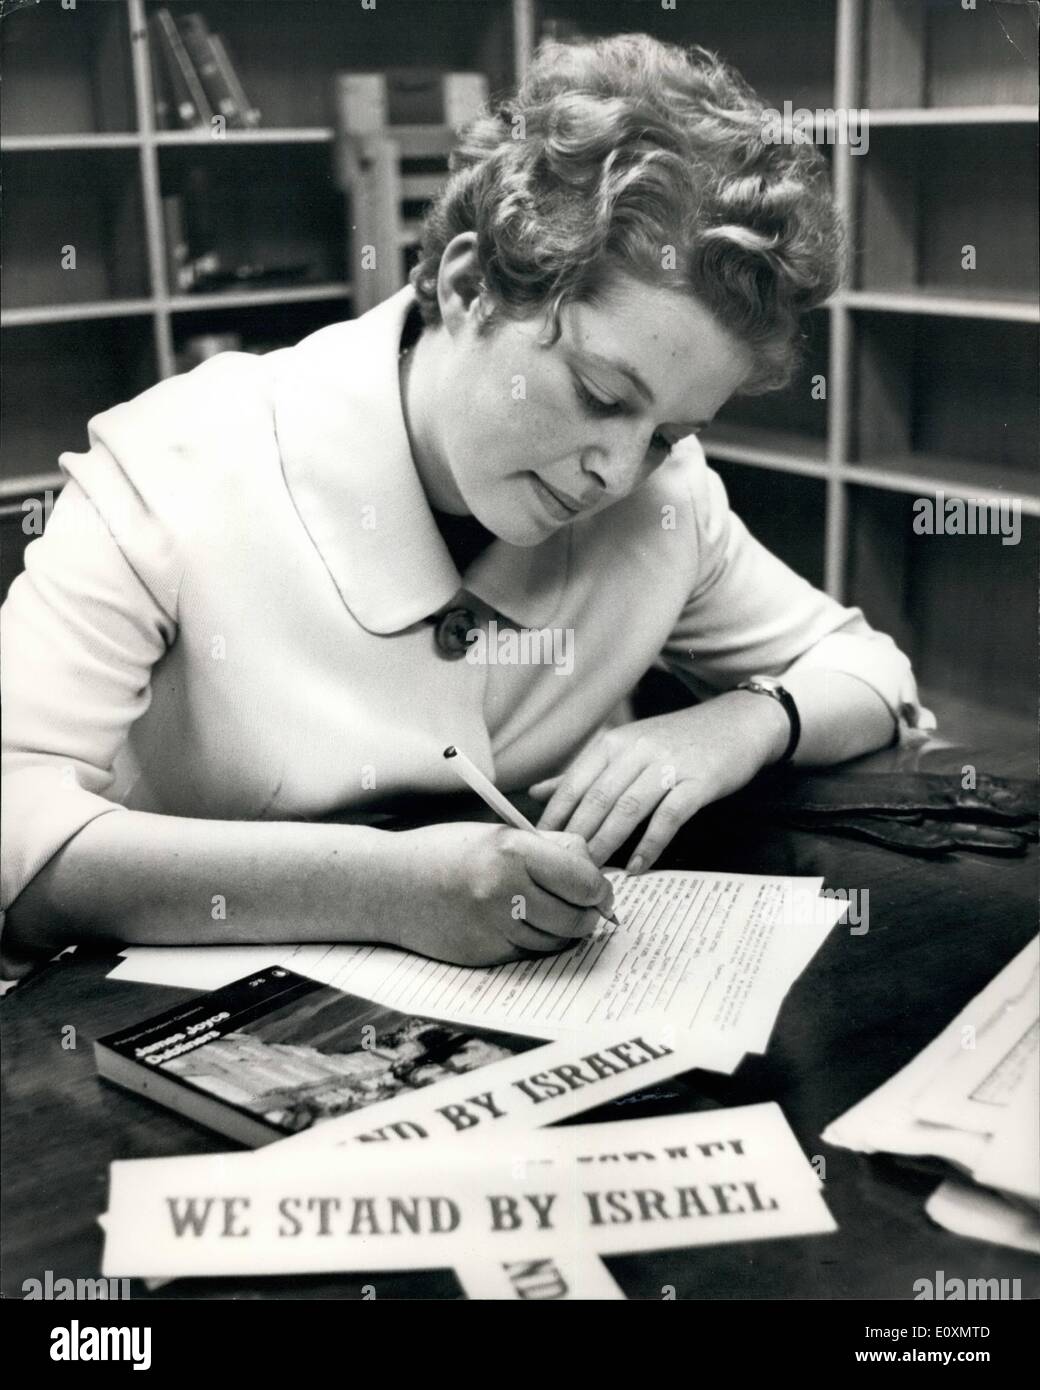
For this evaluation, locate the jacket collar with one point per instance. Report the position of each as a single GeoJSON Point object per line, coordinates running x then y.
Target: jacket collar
{"type": "Point", "coordinates": [349, 471]}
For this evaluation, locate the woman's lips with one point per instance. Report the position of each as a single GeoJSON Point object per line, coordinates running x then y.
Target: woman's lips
{"type": "Point", "coordinates": [559, 505]}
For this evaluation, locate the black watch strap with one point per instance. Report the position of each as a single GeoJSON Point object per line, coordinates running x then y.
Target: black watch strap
{"type": "Point", "coordinates": [768, 686]}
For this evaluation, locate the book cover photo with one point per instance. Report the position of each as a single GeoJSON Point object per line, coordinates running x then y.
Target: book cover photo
{"type": "Point", "coordinates": [276, 1053]}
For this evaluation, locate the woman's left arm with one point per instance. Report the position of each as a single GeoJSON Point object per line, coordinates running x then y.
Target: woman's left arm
{"type": "Point", "coordinates": [749, 614]}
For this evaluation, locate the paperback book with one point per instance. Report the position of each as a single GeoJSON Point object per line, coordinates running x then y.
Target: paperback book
{"type": "Point", "coordinates": [275, 1054]}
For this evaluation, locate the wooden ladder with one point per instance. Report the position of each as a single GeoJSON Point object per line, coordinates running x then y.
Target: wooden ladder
{"type": "Point", "coordinates": [372, 147]}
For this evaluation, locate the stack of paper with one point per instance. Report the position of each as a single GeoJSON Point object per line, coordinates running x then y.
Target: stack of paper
{"type": "Point", "coordinates": [713, 952]}
{"type": "Point", "coordinates": [971, 1097]}
{"type": "Point", "coordinates": [694, 976]}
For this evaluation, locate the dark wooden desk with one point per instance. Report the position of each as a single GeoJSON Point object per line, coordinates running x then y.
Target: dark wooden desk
{"type": "Point", "coordinates": [938, 932]}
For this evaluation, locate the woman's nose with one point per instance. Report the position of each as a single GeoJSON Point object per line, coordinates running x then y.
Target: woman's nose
{"type": "Point", "coordinates": [616, 469]}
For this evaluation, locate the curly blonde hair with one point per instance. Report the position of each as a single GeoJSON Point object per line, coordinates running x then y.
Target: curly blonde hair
{"type": "Point", "coordinates": [631, 154]}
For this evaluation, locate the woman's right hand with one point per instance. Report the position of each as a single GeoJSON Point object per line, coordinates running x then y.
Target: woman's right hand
{"type": "Point", "coordinates": [482, 894]}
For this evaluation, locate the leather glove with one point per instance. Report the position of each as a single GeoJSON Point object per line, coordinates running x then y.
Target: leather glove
{"type": "Point", "coordinates": [914, 812]}
{"type": "Point", "coordinates": [920, 836]}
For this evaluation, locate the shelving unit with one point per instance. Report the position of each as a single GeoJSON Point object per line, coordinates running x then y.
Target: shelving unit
{"type": "Point", "coordinates": [937, 361]}
{"type": "Point", "coordinates": [929, 367]}
{"type": "Point", "coordinates": [86, 166]}
{"type": "Point", "coordinates": [931, 380]}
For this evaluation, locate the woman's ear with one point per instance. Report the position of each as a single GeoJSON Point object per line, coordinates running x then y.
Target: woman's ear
{"type": "Point", "coordinates": [459, 282]}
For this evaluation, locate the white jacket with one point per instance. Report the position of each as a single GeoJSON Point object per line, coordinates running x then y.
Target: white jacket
{"type": "Point", "coordinates": [225, 616]}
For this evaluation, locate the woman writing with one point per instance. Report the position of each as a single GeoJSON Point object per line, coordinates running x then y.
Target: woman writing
{"type": "Point", "coordinates": [257, 601]}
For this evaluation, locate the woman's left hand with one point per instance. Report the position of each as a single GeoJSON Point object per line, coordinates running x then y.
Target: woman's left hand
{"type": "Point", "coordinates": [666, 768]}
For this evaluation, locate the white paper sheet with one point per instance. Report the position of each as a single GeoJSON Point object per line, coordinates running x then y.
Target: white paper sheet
{"type": "Point", "coordinates": [756, 1134]}
{"type": "Point", "coordinates": [746, 1140]}
{"type": "Point", "coordinates": [887, 1120]}
{"type": "Point", "coordinates": [1011, 1159]}
{"type": "Point", "coordinates": [981, 1081]}
{"type": "Point", "coordinates": [740, 1175]}
{"type": "Point", "coordinates": [194, 967]}
{"type": "Point", "coordinates": [691, 946]}
{"type": "Point", "coordinates": [579, 1276]}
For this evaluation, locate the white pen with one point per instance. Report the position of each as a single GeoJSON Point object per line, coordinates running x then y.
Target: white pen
{"type": "Point", "coordinates": [491, 796]}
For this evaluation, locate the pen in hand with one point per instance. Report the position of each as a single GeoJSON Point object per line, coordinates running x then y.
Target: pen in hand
{"type": "Point", "coordinates": [491, 796]}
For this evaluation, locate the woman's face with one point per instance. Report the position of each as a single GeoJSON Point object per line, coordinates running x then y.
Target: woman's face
{"type": "Point", "coordinates": [530, 437]}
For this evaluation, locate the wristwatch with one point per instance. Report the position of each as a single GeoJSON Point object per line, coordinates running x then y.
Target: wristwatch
{"type": "Point", "coordinates": [769, 685]}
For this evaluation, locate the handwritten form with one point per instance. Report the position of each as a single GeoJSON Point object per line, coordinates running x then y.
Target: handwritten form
{"type": "Point", "coordinates": [694, 948]}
